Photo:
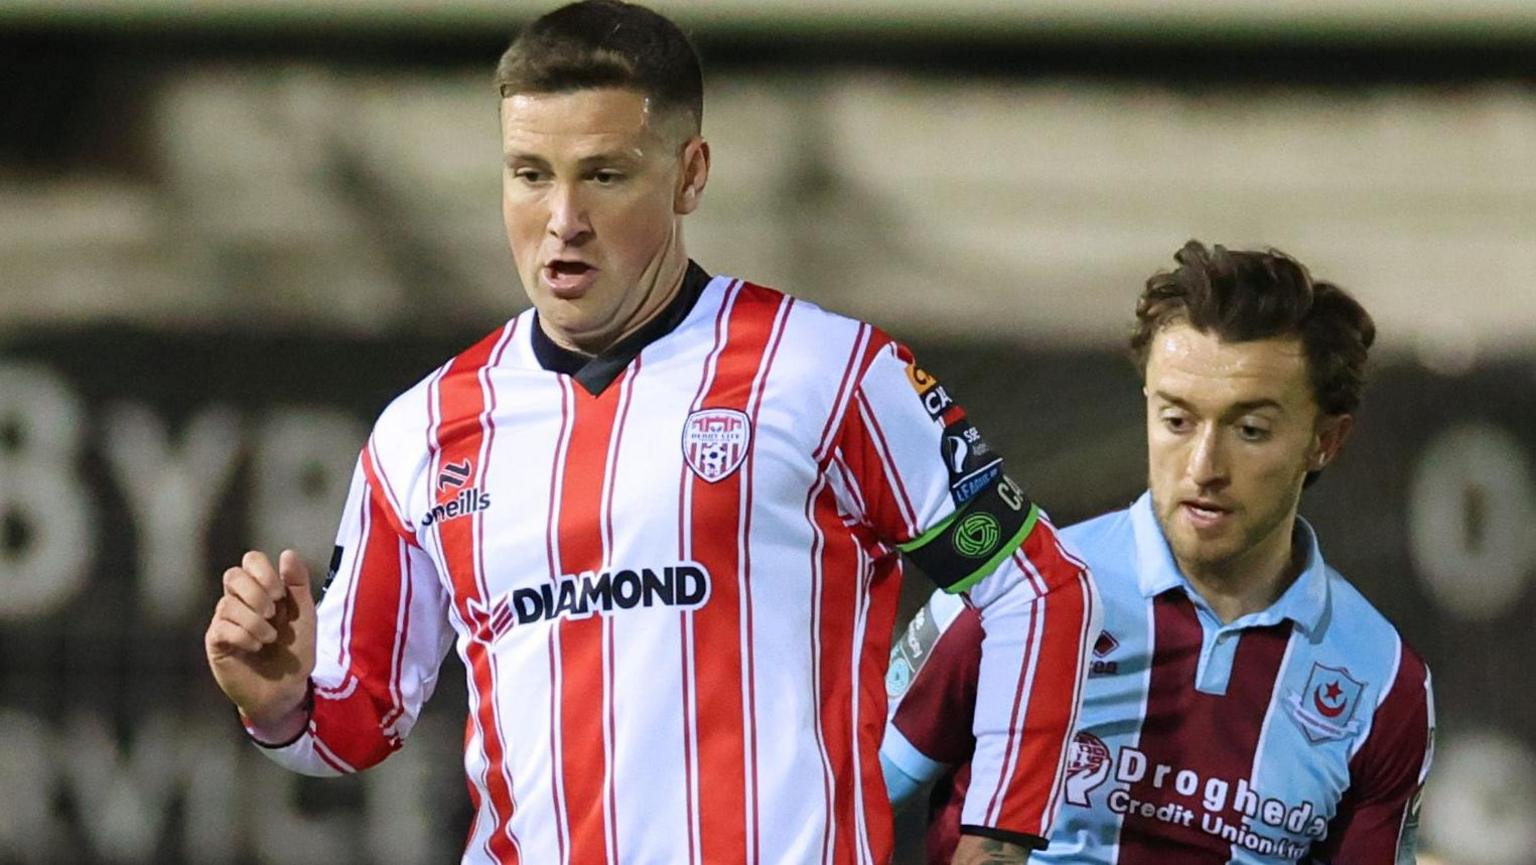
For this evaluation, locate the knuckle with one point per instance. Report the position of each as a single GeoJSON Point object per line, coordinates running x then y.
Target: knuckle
{"type": "Point", "coordinates": [255, 561]}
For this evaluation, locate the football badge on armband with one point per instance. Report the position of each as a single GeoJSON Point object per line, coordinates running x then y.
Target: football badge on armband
{"type": "Point", "coordinates": [715, 442]}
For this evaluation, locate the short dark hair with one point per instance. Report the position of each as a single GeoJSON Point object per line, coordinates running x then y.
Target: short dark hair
{"type": "Point", "coordinates": [605, 43]}
{"type": "Point", "coordinates": [1247, 295]}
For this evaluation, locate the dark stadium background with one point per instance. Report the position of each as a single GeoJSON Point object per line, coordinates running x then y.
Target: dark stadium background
{"type": "Point", "coordinates": [230, 232]}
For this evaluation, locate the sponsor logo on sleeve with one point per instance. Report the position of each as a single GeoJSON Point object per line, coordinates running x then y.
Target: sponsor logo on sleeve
{"type": "Point", "coordinates": [715, 442]}
{"type": "Point", "coordinates": [910, 651]}
{"type": "Point", "coordinates": [971, 461]}
{"type": "Point", "coordinates": [330, 572]}
{"type": "Point", "coordinates": [1324, 709]}
{"type": "Point", "coordinates": [920, 380]}
{"type": "Point", "coordinates": [898, 677]}
{"type": "Point", "coordinates": [941, 407]}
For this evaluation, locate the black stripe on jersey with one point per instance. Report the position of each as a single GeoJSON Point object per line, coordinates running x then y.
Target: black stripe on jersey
{"type": "Point", "coordinates": [1022, 839]}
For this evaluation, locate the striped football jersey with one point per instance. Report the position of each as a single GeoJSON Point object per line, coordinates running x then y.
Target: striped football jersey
{"type": "Point", "coordinates": [674, 596]}
{"type": "Point", "coordinates": [1301, 733]}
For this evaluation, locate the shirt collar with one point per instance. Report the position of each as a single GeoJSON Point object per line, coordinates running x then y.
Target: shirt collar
{"type": "Point", "coordinates": [594, 374]}
{"type": "Point", "coordinates": [1305, 602]}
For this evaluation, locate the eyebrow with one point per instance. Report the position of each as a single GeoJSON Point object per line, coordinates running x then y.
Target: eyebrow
{"type": "Point", "coordinates": [611, 157]}
{"type": "Point", "coordinates": [1235, 409]}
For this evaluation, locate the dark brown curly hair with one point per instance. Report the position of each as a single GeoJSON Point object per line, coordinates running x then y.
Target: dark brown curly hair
{"type": "Point", "coordinates": [1247, 295]}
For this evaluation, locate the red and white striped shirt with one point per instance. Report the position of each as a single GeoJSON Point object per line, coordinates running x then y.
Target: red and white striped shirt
{"type": "Point", "coordinates": [674, 598]}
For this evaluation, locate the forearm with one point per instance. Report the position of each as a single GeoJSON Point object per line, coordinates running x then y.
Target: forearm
{"type": "Point", "coordinates": [1033, 662]}
{"type": "Point", "coordinates": [977, 850]}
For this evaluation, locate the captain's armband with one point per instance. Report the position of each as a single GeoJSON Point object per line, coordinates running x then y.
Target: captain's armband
{"type": "Point", "coordinates": [970, 543]}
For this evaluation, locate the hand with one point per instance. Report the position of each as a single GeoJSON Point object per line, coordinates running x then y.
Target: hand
{"type": "Point", "coordinates": [976, 850]}
{"type": "Point", "coordinates": [261, 642]}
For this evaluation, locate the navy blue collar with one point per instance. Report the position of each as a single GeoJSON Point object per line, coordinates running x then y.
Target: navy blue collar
{"type": "Point", "coordinates": [595, 372]}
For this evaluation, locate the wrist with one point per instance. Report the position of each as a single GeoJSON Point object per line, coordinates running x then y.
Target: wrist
{"type": "Point", "coordinates": [281, 728]}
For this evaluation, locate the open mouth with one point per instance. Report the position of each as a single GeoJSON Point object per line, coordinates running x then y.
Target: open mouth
{"type": "Point", "coordinates": [568, 268]}
{"type": "Point", "coordinates": [1204, 513]}
{"type": "Point", "coordinates": [569, 278]}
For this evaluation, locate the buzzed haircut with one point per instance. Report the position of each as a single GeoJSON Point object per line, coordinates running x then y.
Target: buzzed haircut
{"type": "Point", "coordinates": [1248, 295]}
{"type": "Point", "coordinates": [606, 43]}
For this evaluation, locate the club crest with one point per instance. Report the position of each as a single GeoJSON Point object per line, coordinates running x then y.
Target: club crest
{"type": "Point", "coordinates": [1088, 765]}
{"type": "Point", "coordinates": [715, 442]}
{"type": "Point", "coordinates": [1324, 709]}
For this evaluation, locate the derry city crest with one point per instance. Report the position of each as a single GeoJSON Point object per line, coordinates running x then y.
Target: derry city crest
{"type": "Point", "coordinates": [715, 442]}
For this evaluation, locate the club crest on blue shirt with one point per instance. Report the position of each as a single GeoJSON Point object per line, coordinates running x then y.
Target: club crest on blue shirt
{"type": "Point", "coordinates": [715, 442]}
{"type": "Point", "coordinates": [1088, 765]}
{"type": "Point", "coordinates": [1325, 708]}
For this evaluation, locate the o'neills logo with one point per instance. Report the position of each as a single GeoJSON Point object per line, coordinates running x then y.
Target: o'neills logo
{"type": "Point", "coordinates": [468, 501]}
{"type": "Point", "coordinates": [575, 596]}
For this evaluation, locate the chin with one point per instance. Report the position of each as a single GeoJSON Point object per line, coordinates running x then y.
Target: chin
{"type": "Point", "coordinates": [1201, 552]}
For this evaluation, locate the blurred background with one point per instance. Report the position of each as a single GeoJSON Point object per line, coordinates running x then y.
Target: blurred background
{"type": "Point", "coordinates": [231, 230]}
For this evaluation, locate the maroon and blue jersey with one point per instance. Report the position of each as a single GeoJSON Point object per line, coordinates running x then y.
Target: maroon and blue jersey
{"type": "Point", "coordinates": [1300, 733]}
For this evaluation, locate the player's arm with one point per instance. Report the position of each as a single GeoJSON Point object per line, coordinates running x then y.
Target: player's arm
{"type": "Point", "coordinates": [930, 484]}
{"type": "Point", "coordinates": [380, 634]}
{"type": "Point", "coordinates": [1377, 821]}
{"type": "Point", "coordinates": [981, 850]}
{"type": "Point", "coordinates": [931, 683]}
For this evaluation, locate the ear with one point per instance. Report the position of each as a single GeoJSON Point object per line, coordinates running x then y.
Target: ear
{"type": "Point", "coordinates": [695, 174]}
{"type": "Point", "coordinates": [1332, 431]}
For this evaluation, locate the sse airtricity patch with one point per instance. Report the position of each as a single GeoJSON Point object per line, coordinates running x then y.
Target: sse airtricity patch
{"type": "Point", "coordinates": [971, 462]}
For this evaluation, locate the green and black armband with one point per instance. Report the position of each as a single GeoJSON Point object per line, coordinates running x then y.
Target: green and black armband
{"type": "Point", "coordinates": [971, 542]}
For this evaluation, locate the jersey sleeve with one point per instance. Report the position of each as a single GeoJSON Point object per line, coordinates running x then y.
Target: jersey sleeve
{"type": "Point", "coordinates": [1378, 818]}
{"type": "Point", "coordinates": [931, 684]}
{"type": "Point", "coordinates": [927, 483]}
{"type": "Point", "coordinates": [382, 633]}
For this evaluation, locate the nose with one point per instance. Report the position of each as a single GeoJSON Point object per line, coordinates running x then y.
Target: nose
{"type": "Point", "coordinates": [568, 220]}
{"type": "Point", "coordinates": [1208, 459]}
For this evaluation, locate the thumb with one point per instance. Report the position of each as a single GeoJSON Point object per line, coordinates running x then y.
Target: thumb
{"type": "Point", "coordinates": [296, 578]}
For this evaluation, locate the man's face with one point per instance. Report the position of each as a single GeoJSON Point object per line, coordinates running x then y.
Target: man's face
{"type": "Point", "coordinates": [593, 188]}
{"type": "Point", "coordinates": [1232, 430]}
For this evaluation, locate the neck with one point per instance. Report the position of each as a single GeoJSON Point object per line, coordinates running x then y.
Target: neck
{"type": "Point", "coordinates": [1252, 580]}
{"type": "Point", "coordinates": [661, 289]}
{"type": "Point", "coordinates": [657, 287]}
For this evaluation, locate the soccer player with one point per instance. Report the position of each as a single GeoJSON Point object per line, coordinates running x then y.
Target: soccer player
{"type": "Point", "coordinates": [658, 515]}
{"type": "Point", "coordinates": [1245, 703]}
